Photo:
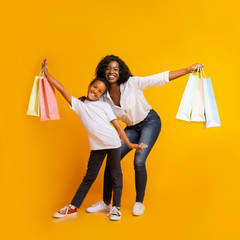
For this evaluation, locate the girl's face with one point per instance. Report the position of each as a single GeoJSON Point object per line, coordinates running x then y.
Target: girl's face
{"type": "Point", "coordinates": [96, 90]}
{"type": "Point", "coordinates": [112, 72]}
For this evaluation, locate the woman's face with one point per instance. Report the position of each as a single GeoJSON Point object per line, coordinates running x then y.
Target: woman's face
{"type": "Point", "coordinates": [96, 90]}
{"type": "Point", "coordinates": [112, 72]}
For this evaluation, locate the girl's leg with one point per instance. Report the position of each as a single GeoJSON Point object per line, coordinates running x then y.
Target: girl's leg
{"type": "Point", "coordinates": [94, 164]}
{"type": "Point", "coordinates": [149, 132]}
{"type": "Point", "coordinates": [133, 136]}
{"type": "Point", "coordinates": [116, 174]}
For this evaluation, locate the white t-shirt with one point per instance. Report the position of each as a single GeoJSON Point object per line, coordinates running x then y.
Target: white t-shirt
{"type": "Point", "coordinates": [134, 106]}
{"type": "Point", "coordinates": [96, 117]}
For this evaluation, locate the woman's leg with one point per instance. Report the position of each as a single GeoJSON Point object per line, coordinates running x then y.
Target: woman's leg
{"type": "Point", "coordinates": [133, 136]}
{"type": "Point", "coordinates": [149, 132]}
{"type": "Point", "coordinates": [116, 175]}
{"type": "Point", "coordinates": [94, 164]}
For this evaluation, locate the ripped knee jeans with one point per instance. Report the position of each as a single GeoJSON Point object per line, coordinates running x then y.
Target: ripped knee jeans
{"type": "Point", "coordinates": [145, 132]}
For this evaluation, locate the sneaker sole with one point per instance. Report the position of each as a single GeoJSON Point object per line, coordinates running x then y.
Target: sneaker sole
{"type": "Point", "coordinates": [57, 215]}
{"type": "Point", "coordinates": [115, 218]}
{"type": "Point", "coordinates": [98, 211]}
{"type": "Point", "coordinates": [137, 214]}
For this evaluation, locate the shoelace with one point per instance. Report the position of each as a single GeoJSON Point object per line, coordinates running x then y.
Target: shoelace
{"type": "Point", "coordinates": [113, 210]}
{"type": "Point", "coordinates": [63, 209]}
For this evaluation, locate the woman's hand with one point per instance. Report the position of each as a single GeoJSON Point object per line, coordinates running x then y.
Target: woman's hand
{"type": "Point", "coordinates": [45, 66]}
{"type": "Point", "coordinates": [179, 73]}
{"type": "Point", "coordinates": [195, 67]}
{"type": "Point", "coordinates": [135, 146]}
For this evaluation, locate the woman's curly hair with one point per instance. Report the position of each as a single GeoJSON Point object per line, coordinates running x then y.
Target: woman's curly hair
{"type": "Point", "coordinates": [124, 72]}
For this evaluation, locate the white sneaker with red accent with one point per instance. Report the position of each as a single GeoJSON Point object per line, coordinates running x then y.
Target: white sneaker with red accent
{"type": "Point", "coordinates": [66, 211]}
{"type": "Point", "coordinates": [114, 214]}
{"type": "Point", "coordinates": [99, 207]}
{"type": "Point", "coordinates": [138, 209]}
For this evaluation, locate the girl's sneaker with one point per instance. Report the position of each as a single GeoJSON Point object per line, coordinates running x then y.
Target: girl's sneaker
{"type": "Point", "coordinates": [138, 209]}
{"type": "Point", "coordinates": [115, 214]}
{"type": "Point", "coordinates": [66, 211]}
{"type": "Point", "coordinates": [99, 207]}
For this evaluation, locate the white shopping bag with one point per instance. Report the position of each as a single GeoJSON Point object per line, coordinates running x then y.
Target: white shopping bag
{"type": "Point", "coordinates": [198, 103]}
{"type": "Point", "coordinates": [185, 108]}
{"type": "Point", "coordinates": [211, 111]}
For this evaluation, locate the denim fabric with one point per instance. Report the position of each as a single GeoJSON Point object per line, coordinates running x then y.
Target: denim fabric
{"type": "Point", "coordinates": [145, 132]}
{"type": "Point", "coordinates": [94, 164]}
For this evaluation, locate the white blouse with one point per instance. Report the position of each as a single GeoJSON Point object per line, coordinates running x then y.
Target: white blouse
{"type": "Point", "coordinates": [134, 106]}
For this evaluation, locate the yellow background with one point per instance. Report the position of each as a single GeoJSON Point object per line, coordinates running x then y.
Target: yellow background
{"type": "Point", "coordinates": [193, 173]}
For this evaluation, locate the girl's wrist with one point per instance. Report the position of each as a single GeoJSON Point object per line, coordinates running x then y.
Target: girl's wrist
{"type": "Point", "coordinates": [129, 145]}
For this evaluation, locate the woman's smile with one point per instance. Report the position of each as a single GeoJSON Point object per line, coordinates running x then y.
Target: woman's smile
{"type": "Point", "coordinates": [112, 72]}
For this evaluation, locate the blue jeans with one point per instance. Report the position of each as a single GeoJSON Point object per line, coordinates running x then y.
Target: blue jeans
{"type": "Point", "coordinates": [145, 132]}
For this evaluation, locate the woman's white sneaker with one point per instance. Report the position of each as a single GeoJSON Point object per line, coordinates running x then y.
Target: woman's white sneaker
{"type": "Point", "coordinates": [99, 207]}
{"type": "Point", "coordinates": [114, 214]}
{"type": "Point", "coordinates": [138, 209]}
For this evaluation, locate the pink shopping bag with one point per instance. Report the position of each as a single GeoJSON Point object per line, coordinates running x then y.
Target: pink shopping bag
{"type": "Point", "coordinates": [48, 101]}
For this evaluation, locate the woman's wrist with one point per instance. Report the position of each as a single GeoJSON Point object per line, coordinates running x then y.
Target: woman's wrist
{"type": "Point", "coordinates": [188, 70]}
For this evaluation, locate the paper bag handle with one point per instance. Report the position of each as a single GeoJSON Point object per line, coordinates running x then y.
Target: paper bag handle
{"type": "Point", "coordinates": [202, 73]}
{"type": "Point", "coordinates": [198, 71]}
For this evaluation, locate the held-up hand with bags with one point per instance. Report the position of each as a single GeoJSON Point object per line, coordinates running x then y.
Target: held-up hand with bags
{"type": "Point", "coordinates": [179, 73]}
{"type": "Point", "coordinates": [195, 67]}
{"type": "Point", "coordinates": [55, 83]}
{"type": "Point", "coordinates": [43, 101]}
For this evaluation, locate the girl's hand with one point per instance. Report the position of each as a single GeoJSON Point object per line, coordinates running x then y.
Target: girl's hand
{"type": "Point", "coordinates": [45, 66]}
{"type": "Point", "coordinates": [195, 67]}
{"type": "Point", "coordinates": [135, 146]}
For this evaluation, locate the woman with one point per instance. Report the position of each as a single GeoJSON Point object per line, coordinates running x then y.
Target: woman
{"type": "Point", "coordinates": [143, 124]}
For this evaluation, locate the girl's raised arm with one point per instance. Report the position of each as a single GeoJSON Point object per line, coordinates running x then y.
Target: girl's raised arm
{"type": "Point", "coordinates": [55, 83]}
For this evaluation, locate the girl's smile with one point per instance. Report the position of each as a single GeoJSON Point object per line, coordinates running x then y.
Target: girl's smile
{"type": "Point", "coordinates": [96, 90]}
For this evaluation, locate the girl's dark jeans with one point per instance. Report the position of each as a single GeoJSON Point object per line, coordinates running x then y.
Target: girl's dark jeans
{"type": "Point", "coordinates": [94, 164]}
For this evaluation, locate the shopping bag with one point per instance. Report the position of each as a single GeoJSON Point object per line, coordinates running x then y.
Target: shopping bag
{"type": "Point", "coordinates": [48, 102]}
{"type": "Point", "coordinates": [211, 111]}
{"type": "Point", "coordinates": [33, 106]}
{"type": "Point", "coordinates": [198, 102]}
{"type": "Point", "coordinates": [185, 108]}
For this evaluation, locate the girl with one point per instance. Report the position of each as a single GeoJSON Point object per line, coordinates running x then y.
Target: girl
{"type": "Point", "coordinates": [143, 124]}
{"type": "Point", "coordinates": [103, 139]}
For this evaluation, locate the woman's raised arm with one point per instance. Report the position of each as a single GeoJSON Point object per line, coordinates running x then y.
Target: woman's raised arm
{"type": "Point", "coordinates": [179, 73]}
